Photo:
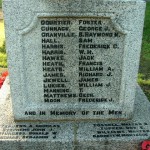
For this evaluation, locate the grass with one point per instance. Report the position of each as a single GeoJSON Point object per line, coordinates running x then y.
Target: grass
{"type": "Point", "coordinates": [3, 60]}
{"type": "Point", "coordinates": [3, 56]}
{"type": "Point", "coordinates": [0, 3]}
{"type": "Point", "coordinates": [145, 84]}
{"type": "Point", "coordinates": [144, 69]}
{"type": "Point", "coordinates": [2, 34]}
{"type": "Point", "coordinates": [145, 54]}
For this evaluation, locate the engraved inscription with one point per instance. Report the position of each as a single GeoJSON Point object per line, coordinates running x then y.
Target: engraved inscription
{"type": "Point", "coordinates": [54, 131]}
{"type": "Point", "coordinates": [121, 130]}
{"type": "Point", "coordinates": [80, 60]}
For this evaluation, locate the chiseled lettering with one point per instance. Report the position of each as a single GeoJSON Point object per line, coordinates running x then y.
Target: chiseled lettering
{"type": "Point", "coordinates": [95, 34]}
{"type": "Point", "coordinates": [49, 28]}
{"type": "Point", "coordinates": [83, 57]}
{"type": "Point", "coordinates": [59, 74]}
{"type": "Point", "coordinates": [98, 112]}
{"type": "Point", "coordinates": [51, 100]}
{"type": "Point", "coordinates": [30, 113]}
{"type": "Point", "coordinates": [86, 95]}
{"type": "Point", "coordinates": [54, 85]}
{"type": "Point", "coordinates": [53, 57]}
{"type": "Point", "coordinates": [91, 84]}
{"type": "Point", "coordinates": [103, 46]}
{"type": "Point", "coordinates": [47, 90]}
{"type": "Point", "coordinates": [92, 100]}
{"type": "Point", "coordinates": [52, 69]}
{"type": "Point", "coordinates": [65, 34]}
{"type": "Point", "coordinates": [59, 113]}
{"type": "Point", "coordinates": [52, 46]}
{"type": "Point", "coordinates": [90, 22]}
{"type": "Point", "coordinates": [88, 80]}
{"type": "Point", "coordinates": [49, 40]}
{"type": "Point", "coordinates": [55, 80]}
{"type": "Point", "coordinates": [52, 52]}
{"type": "Point", "coordinates": [90, 68]}
{"type": "Point", "coordinates": [114, 112]}
{"type": "Point", "coordinates": [92, 74]}
{"type": "Point", "coordinates": [53, 63]}
{"type": "Point", "coordinates": [49, 95]}
{"type": "Point", "coordinates": [90, 63]}
{"type": "Point", "coordinates": [55, 22]}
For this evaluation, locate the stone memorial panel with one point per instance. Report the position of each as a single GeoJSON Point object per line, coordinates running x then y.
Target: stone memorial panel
{"type": "Point", "coordinates": [74, 65]}
{"type": "Point", "coordinates": [79, 63]}
{"type": "Point", "coordinates": [73, 68]}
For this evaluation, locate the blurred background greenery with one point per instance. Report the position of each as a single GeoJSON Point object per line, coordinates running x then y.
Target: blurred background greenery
{"type": "Point", "coordinates": [144, 68]}
{"type": "Point", "coordinates": [0, 3]}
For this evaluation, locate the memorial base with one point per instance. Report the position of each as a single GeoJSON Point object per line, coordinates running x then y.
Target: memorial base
{"type": "Point", "coordinates": [77, 135]}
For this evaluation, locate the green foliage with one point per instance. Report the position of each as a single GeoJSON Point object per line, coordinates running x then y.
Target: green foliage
{"type": "Point", "coordinates": [142, 80]}
{"type": "Point", "coordinates": [144, 70]}
{"type": "Point", "coordinates": [3, 48]}
{"type": "Point", "coordinates": [3, 56]}
{"type": "Point", "coordinates": [145, 53]}
{"type": "Point", "coordinates": [146, 32]}
{"type": "Point", "coordinates": [3, 60]}
{"type": "Point", "coordinates": [0, 3]}
{"type": "Point", "coordinates": [145, 84]}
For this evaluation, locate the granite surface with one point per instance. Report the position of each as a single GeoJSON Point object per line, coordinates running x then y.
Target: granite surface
{"type": "Point", "coordinates": [74, 59]}
{"type": "Point", "coordinates": [73, 68]}
{"type": "Point", "coordinates": [64, 135]}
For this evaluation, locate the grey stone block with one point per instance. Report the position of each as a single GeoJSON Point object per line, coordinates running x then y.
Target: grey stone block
{"type": "Point", "coordinates": [70, 28]}
{"type": "Point", "coordinates": [73, 67]}
{"type": "Point", "coordinates": [83, 135]}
